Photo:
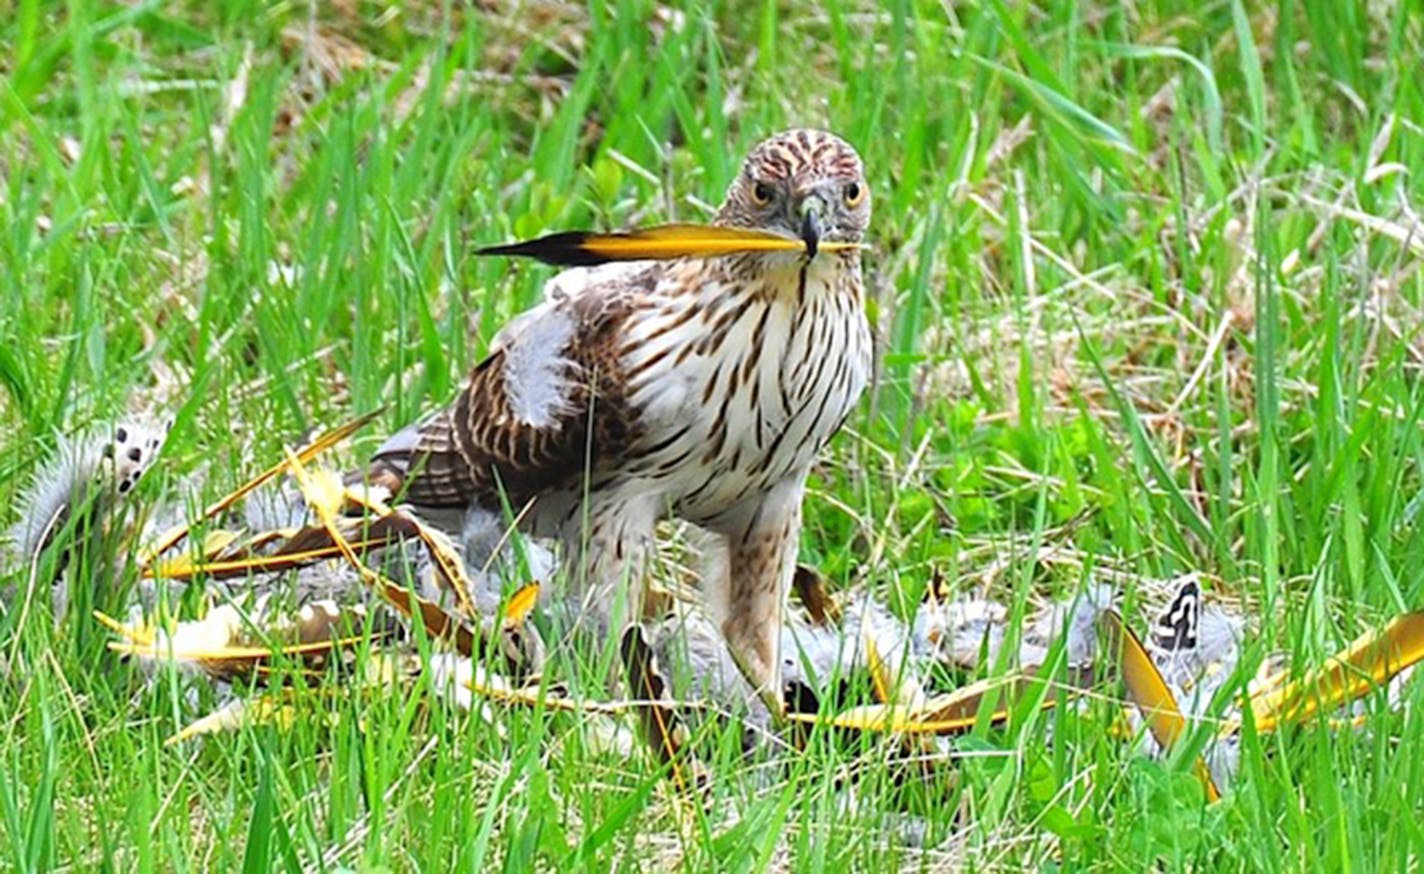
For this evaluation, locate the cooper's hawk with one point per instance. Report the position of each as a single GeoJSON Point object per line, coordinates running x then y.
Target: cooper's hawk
{"type": "Point", "coordinates": [703, 387]}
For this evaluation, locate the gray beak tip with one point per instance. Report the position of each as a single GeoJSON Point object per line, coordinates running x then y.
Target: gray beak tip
{"type": "Point", "coordinates": [811, 232]}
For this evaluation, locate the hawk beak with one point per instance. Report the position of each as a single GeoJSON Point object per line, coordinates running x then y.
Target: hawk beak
{"type": "Point", "coordinates": [811, 209]}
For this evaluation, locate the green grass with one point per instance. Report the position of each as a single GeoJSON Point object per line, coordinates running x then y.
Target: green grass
{"type": "Point", "coordinates": [1147, 298]}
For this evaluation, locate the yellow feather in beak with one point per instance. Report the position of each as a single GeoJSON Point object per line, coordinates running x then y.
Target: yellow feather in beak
{"type": "Point", "coordinates": [588, 249]}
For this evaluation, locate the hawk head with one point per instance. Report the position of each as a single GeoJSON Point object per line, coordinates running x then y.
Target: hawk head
{"type": "Point", "coordinates": [806, 183]}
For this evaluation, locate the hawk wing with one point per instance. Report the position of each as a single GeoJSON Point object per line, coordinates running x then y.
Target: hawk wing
{"type": "Point", "coordinates": [547, 405]}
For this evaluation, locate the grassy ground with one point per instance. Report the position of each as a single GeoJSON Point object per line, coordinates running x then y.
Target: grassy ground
{"type": "Point", "coordinates": [1147, 296]}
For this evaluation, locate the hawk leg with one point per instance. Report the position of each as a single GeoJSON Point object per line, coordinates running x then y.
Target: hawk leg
{"type": "Point", "coordinates": [748, 591]}
{"type": "Point", "coordinates": [610, 539]}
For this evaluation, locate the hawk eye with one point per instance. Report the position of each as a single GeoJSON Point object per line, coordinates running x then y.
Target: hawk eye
{"type": "Point", "coordinates": [853, 193]}
{"type": "Point", "coordinates": [762, 194]}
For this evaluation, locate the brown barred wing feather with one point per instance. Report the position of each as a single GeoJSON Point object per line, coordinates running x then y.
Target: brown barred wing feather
{"type": "Point", "coordinates": [543, 409]}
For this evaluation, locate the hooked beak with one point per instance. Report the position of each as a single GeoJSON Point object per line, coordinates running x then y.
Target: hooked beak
{"type": "Point", "coordinates": [811, 209]}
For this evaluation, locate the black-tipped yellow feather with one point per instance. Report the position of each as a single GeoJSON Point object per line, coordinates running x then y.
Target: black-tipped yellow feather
{"type": "Point", "coordinates": [589, 248]}
{"type": "Point", "coordinates": [1149, 691]}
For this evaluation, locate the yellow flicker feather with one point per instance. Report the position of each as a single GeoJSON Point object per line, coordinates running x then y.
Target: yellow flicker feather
{"type": "Point", "coordinates": [521, 604]}
{"type": "Point", "coordinates": [217, 542]}
{"type": "Point", "coordinates": [324, 493]}
{"type": "Point", "coordinates": [882, 684]}
{"type": "Point", "coordinates": [1149, 692]}
{"type": "Point", "coordinates": [212, 650]}
{"type": "Point", "coordinates": [186, 567]}
{"type": "Point", "coordinates": [281, 708]}
{"type": "Point", "coordinates": [587, 248]}
{"type": "Point", "coordinates": [1372, 660]}
{"type": "Point", "coordinates": [233, 656]}
{"type": "Point", "coordinates": [438, 547]}
{"type": "Point", "coordinates": [494, 688]}
{"type": "Point", "coordinates": [957, 711]}
{"type": "Point", "coordinates": [135, 634]}
{"type": "Point", "coordinates": [320, 444]}
{"type": "Point", "coordinates": [277, 708]}
{"type": "Point", "coordinates": [888, 688]}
